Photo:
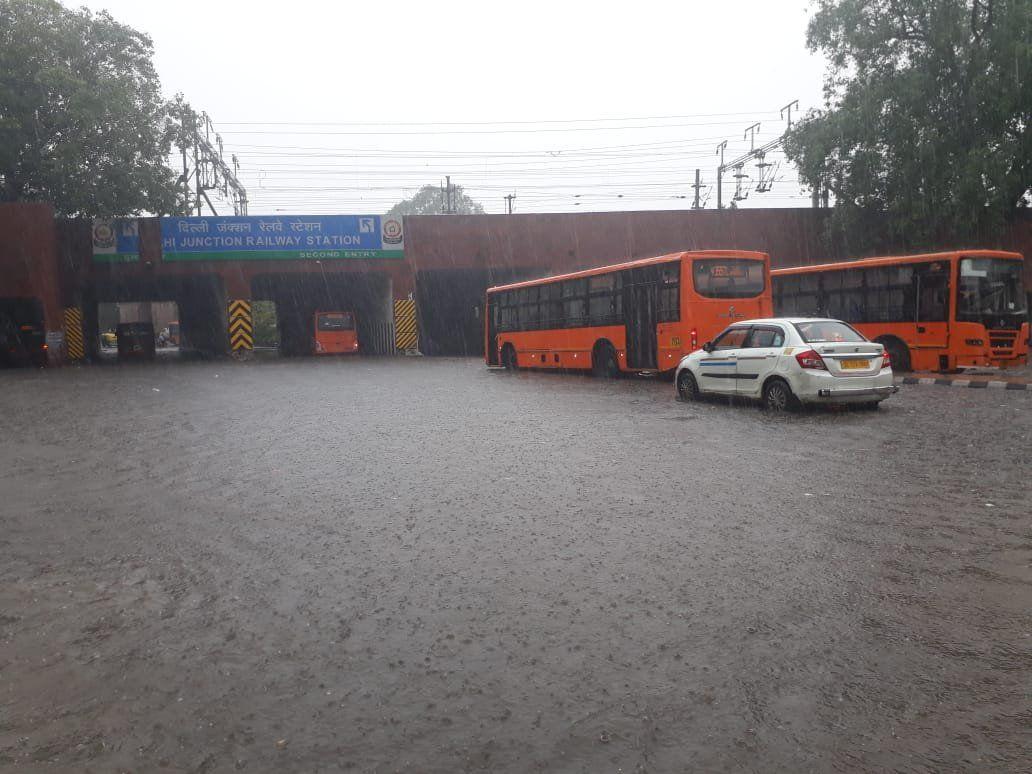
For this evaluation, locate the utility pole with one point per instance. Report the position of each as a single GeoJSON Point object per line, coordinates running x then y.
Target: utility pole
{"type": "Point", "coordinates": [509, 199]}
{"type": "Point", "coordinates": [751, 134]}
{"type": "Point", "coordinates": [766, 180]}
{"type": "Point", "coordinates": [197, 171]}
{"type": "Point", "coordinates": [788, 107]}
{"type": "Point", "coordinates": [210, 171]}
{"type": "Point", "coordinates": [697, 187]}
{"type": "Point", "coordinates": [720, 176]}
{"type": "Point", "coordinates": [186, 173]}
{"type": "Point", "coordinates": [448, 197]}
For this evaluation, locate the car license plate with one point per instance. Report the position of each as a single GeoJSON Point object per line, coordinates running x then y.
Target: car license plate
{"type": "Point", "coordinates": [855, 364]}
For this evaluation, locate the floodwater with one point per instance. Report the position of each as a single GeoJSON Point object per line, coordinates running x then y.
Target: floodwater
{"type": "Point", "coordinates": [420, 565]}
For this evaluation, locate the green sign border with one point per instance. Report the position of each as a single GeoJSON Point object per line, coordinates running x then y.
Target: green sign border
{"type": "Point", "coordinates": [116, 257]}
{"type": "Point", "coordinates": [285, 255]}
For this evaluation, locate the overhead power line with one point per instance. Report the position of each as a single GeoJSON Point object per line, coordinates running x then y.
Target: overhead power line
{"type": "Point", "coordinates": [495, 123]}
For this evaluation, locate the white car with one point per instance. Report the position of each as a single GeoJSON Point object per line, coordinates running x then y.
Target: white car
{"type": "Point", "coordinates": [787, 361]}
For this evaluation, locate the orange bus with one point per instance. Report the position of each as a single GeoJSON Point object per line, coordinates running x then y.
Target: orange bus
{"type": "Point", "coordinates": [939, 311]}
{"type": "Point", "coordinates": [644, 315]}
{"type": "Point", "coordinates": [335, 333]}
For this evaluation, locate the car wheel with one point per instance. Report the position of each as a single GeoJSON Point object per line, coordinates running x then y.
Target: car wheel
{"type": "Point", "coordinates": [687, 387]}
{"type": "Point", "coordinates": [777, 396]}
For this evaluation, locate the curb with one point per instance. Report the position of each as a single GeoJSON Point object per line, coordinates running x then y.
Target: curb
{"type": "Point", "coordinates": [971, 383]}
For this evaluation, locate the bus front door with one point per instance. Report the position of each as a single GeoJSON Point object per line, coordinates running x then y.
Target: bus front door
{"type": "Point", "coordinates": [640, 308]}
{"type": "Point", "coordinates": [492, 332]}
{"type": "Point", "coordinates": [932, 294]}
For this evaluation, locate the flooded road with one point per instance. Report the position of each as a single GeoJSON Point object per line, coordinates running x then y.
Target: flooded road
{"type": "Point", "coordinates": [420, 565]}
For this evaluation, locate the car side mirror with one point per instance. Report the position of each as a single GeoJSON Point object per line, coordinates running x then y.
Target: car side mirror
{"type": "Point", "coordinates": [708, 346]}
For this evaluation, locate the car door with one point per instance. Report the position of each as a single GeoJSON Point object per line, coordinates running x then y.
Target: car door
{"type": "Point", "coordinates": [717, 368]}
{"type": "Point", "coordinates": [758, 357]}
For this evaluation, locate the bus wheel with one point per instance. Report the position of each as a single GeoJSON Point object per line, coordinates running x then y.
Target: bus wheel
{"type": "Point", "coordinates": [898, 352]}
{"type": "Point", "coordinates": [777, 396]}
{"type": "Point", "coordinates": [603, 362]}
{"type": "Point", "coordinates": [509, 357]}
{"type": "Point", "coordinates": [687, 387]}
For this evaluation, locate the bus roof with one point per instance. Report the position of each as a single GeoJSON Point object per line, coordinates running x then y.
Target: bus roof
{"type": "Point", "coordinates": [894, 259]}
{"type": "Point", "coordinates": [632, 265]}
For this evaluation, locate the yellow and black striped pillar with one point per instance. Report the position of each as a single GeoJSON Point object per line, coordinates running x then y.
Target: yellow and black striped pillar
{"type": "Point", "coordinates": [75, 343]}
{"type": "Point", "coordinates": [406, 336]}
{"type": "Point", "coordinates": [241, 326]}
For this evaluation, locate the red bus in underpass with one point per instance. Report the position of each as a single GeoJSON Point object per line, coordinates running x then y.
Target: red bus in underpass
{"type": "Point", "coordinates": [639, 316]}
{"type": "Point", "coordinates": [335, 333]}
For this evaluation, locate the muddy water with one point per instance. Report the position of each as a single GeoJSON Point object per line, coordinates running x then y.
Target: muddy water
{"type": "Point", "coordinates": [423, 566]}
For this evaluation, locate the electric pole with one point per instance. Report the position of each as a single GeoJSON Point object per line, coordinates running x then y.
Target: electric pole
{"type": "Point", "coordinates": [509, 199]}
{"type": "Point", "coordinates": [697, 187]}
{"type": "Point", "coordinates": [766, 179]}
{"type": "Point", "coordinates": [788, 107]}
{"type": "Point", "coordinates": [210, 171]}
{"type": "Point", "coordinates": [720, 175]}
{"type": "Point", "coordinates": [448, 203]}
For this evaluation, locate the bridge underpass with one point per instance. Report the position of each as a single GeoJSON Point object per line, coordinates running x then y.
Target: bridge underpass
{"type": "Point", "coordinates": [200, 298]}
{"type": "Point", "coordinates": [298, 296]}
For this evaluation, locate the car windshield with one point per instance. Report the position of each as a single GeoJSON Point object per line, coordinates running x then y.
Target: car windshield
{"type": "Point", "coordinates": [990, 287]}
{"type": "Point", "coordinates": [825, 331]}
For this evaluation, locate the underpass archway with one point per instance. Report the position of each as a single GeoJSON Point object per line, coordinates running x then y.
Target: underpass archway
{"type": "Point", "coordinates": [299, 296]}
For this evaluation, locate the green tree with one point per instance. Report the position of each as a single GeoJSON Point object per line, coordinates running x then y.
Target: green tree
{"type": "Point", "coordinates": [927, 119]}
{"type": "Point", "coordinates": [429, 200]}
{"type": "Point", "coordinates": [266, 331]}
{"type": "Point", "coordinates": [82, 121]}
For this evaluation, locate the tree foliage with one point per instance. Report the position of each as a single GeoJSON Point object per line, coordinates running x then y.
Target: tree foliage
{"type": "Point", "coordinates": [82, 121]}
{"type": "Point", "coordinates": [429, 200]}
{"type": "Point", "coordinates": [928, 106]}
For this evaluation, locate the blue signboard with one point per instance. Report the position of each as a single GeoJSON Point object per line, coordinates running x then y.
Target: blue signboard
{"type": "Point", "coordinates": [116, 240]}
{"type": "Point", "coordinates": [287, 237]}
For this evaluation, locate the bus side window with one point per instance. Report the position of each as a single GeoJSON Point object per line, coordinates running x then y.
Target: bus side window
{"type": "Point", "coordinates": [575, 302]}
{"type": "Point", "coordinates": [890, 294]}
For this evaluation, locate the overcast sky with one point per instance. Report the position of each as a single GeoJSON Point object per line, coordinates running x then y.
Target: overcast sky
{"type": "Point", "coordinates": [348, 107]}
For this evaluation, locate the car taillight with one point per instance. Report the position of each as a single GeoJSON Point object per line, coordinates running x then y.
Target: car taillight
{"type": "Point", "coordinates": [695, 339]}
{"type": "Point", "coordinates": [810, 359]}
{"type": "Point", "coordinates": [886, 360]}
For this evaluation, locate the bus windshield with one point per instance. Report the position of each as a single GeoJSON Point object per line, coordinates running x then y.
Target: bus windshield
{"type": "Point", "coordinates": [988, 288]}
{"type": "Point", "coordinates": [728, 278]}
{"type": "Point", "coordinates": [338, 321]}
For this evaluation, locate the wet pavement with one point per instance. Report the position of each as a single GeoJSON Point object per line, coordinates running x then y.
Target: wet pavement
{"type": "Point", "coordinates": [419, 565]}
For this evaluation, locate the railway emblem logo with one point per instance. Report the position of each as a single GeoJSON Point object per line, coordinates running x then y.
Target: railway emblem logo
{"type": "Point", "coordinates": [103, 235]}
{"type": "Point", "coordinates": [732, 314]}
{"type": "Point", "coordinates": [391, 229]}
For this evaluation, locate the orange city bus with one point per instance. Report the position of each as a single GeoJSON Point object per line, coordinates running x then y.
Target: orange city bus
{"type": "Point", "coordinates": [644, 315]}
{"type": "Point", "coordinates": [335, 333]}
{"type": "Point", "coordinates": [939, 311]}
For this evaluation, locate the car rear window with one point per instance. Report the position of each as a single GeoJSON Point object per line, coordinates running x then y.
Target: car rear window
{"type": "Point", "coordinates": [827, 331]}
